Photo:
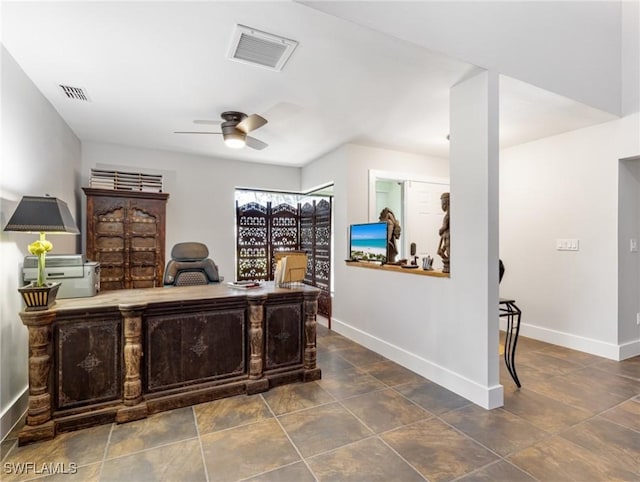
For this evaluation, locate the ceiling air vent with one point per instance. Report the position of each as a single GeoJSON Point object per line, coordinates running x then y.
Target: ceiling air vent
{"type": "Point", "coordinates": [75, 93]}
{"type": "Point", "coordinates": [254, 47]}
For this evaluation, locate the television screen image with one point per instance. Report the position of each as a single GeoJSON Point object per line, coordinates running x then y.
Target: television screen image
{"type": "Point", "coordinates": [368, 242]}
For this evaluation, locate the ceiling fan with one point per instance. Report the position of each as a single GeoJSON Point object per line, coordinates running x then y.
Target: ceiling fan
{"type": "Point", "coordinates": [235, 127]}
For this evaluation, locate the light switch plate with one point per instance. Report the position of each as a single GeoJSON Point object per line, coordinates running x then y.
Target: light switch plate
{"type": "Point", "coordinates": [568, 244]}
{"type": "Point", "coordinates": [633, 245]}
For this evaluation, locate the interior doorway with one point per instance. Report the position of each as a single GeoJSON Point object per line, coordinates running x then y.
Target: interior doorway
{"type": "Point", "coordinates": [628, 249]}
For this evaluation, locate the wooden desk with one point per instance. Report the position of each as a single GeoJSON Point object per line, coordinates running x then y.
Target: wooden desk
{"type": "Point", "coordinates": [125, 354]}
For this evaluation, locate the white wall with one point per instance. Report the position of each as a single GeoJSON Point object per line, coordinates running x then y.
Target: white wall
{"type": "Point", "coordinates": [630, 53]}
{"type": "Point", "coordinates": [201, 204]}
{"type": "Point", "coordinates": [566, 186]}
{"type": "Point", "coordinates": [40, 155]}
{"type": "Point", "coordinates": [406, 318]}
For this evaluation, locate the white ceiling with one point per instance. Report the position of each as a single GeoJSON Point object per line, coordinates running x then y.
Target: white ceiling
{"type": "Point", "coordinates": [152, 68]}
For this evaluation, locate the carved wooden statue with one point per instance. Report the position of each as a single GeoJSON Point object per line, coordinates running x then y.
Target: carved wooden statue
{"type": "Point", "coordinates": [393, 233]}
{"type": "Point", "coordinates": [443, 248]}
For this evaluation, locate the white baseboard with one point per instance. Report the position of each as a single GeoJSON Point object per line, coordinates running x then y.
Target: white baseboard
{"type": "Point", "coordinates": [580, 343]}
{"type": "Point", "coordinates": [13, 412]}
{"type": "Point", "coordinates": [629, 349]}
{"type": "Point", "coordinates": [486, 397]}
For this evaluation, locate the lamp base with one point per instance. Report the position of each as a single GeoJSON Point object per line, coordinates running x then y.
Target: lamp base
{"type": "Point", "coordinates": [38, 298]}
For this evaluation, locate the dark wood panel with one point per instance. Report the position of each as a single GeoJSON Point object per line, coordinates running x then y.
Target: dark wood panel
{"type": "Point", "coordinates": [194, 348]}
{"type": "Point", "coordinates": [283, 231]}
{"type": "Point", "coordinates": [283, 327]}
{"type": "Point", "coordinates": [88, 361]}
{"type": "Point", "coordinates": [315, 226]}
{"type": "Point", "coordinates": [324, 302]}
{"type": "Point", "coordinates": [252, 242]}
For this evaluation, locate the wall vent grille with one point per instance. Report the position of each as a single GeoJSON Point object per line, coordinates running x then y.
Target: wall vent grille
{"type": "Point", "coordinates": [251, 46]}
{"type": "Point", "coordinates": [75, 93]}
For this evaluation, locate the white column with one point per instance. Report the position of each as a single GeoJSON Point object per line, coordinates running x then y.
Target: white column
{"type": "Point", "coordinates": [473, 161]}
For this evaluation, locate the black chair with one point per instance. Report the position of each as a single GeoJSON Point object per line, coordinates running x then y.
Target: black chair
{"type": "Point", "coordinates": [190, 265]}
{"type": "Point", "coordinates": [509, 310]}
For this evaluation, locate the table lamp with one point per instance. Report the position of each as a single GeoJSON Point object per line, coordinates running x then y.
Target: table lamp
{"type": "Point", "coordinates": [41, 214]}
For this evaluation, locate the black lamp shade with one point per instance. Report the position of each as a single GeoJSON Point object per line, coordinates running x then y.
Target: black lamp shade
{"type": "Point", "coordinates": [44, 214]}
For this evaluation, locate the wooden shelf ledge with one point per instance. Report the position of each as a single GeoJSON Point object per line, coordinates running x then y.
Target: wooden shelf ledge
{"type": "Point", "coordinates": [397, 269]}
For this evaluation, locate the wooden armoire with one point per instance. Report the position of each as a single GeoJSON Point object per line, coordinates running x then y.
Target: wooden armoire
{"type": "Point", "coordinates": [126, 235]}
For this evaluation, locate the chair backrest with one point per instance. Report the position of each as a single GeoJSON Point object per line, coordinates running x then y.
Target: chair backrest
{"type": "Point", "coordinates": [190, 265]}
{"type": "Point", "coordinates": [190, 278]}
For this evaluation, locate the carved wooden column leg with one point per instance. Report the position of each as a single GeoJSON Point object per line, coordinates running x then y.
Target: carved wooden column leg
{"type": "Point", "coordinates": [256, 381]}
{"type": "Point", "coordinates": [310, 312]}
{"type": "Point", "coordinates": [134, 410]}
{"type": "Point", "coordinates": [39, 425]}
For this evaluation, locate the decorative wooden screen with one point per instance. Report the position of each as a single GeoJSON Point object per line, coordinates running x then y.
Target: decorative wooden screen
{"type": "Point", "coordinates": [252, 242]}
{"type": "Point", "coordinates": [284, 221]}
{"type": "Point", "coordinates": [315, 240]}
{"type": "Point", "coordinates": [264, 230]}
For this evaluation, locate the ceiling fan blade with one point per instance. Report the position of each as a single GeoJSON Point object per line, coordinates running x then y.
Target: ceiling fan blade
{"type": "Point", "coordinates": [254, 143]}
{"type": "Point", "coordinates": [207, 122]}
{"type": "Point", "coordinates": [196, 132]}
{"type": "Point", "coordinates": [251, 123]}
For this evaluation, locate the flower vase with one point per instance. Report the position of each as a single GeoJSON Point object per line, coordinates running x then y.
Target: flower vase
{"type": "Point", "coordinates": [37, 298]}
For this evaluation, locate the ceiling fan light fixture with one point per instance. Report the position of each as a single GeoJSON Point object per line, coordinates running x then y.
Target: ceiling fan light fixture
{"type": "Point", "coordinates": [235, 140]}
{"type": "Point", "coordinates": [234, 129]}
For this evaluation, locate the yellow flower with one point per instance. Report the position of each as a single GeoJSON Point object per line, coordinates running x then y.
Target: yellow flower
{"type": "Point", "coordinates": [40, 247]}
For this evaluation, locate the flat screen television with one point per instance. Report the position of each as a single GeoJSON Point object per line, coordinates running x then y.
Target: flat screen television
{"type": "Point", "coordinates": [368, 242]}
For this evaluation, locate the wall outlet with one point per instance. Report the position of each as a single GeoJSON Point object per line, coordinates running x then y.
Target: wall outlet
{"type": "Point", "coordinates": [633, 245]}
{"type": "Point", "coordinates": [568, 244]}
{"type": "Point", "coordinates": [637, 318]}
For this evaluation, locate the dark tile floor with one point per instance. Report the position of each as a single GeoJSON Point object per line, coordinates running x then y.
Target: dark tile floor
{"type": "Point", "coordinates": [577, 418]}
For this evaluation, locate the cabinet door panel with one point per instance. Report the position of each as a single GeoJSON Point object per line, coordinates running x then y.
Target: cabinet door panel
{"type": "Point", "coordinates": [142, 283]}
{"type": "Point", "coordinates": [283, 335]}
{"type": "Point", "coordinates": [162, 336]}
{"type": "Point", "coordinates": [107, 284]}
{"type": "Point", "coordinates": [111, 272]}
{"type": "Point", "coordinates": [112, 243]}
{"type": "Point", "coordinates": [213, 346]}
{"type": "Point", "coordinates": [194, 348]}
{"type": "Point", "coordinates": [110, 228]}
{"type": "Point", "coordinates": [114, 257]}
{"type": "Point", "coordinates": [143, 257]}
{"type": "Point", "coordinates": [144, 228]}
{"type": "Point", "coordinates": [88, 362]}
{"type": "Point", "coordinates": [143, 243]}
{"type": "Point", "coordinates": [143, 273]}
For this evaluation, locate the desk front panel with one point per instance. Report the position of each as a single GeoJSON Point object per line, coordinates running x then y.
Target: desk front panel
{"type": "Point", "coordinates": [87, 361]}
{"type": "Point", "coordinates": [194, 347]}
{"type": "Point", "coordinates": [283, 335]}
